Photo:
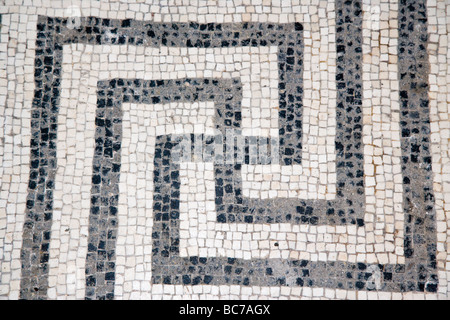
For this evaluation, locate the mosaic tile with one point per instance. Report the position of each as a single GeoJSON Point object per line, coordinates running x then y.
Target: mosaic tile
{"type": "Point", "coordinates": [246, 150]}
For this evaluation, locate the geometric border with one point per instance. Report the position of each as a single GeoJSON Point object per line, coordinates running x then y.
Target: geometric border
{"type": "Point", "coordinates": [419, 271]}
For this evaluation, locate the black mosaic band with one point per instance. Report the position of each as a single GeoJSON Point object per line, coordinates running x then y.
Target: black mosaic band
{"type": "Point", "coordinates": [171, 269]}
{"type": "Point", "coordinates": [349, 205]}
{"type": "Point", "coordinates": [44, 114]}
{"type": "Point", "coordinates": [417, 274]}
{"type": "Point", "coordinates": [103, 224]}
{"type": "Point", "coordinates": [418, 198]}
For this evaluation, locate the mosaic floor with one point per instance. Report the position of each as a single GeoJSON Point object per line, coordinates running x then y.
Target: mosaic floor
{"type": "Point", "coordinates": [227, 149]}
